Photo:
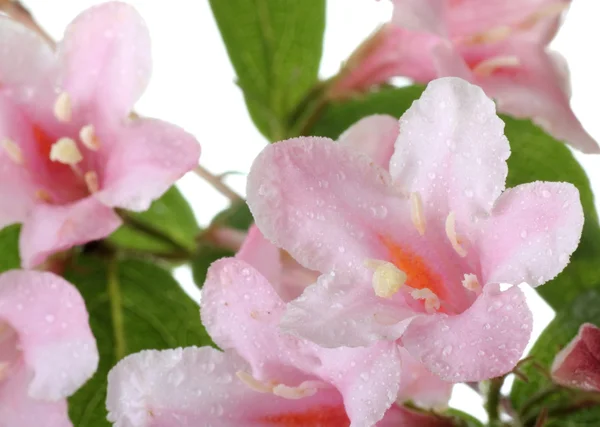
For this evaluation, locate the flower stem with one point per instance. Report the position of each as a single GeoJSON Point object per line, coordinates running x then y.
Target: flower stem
{"type": "Point", "coordinates": [18, 12]}
{"type": "Point", "coordinates": [217, 183]}
{"type": "Point", "coordinates": [492, 404]}
{"type": "Point", "coordinates": [116, 309]}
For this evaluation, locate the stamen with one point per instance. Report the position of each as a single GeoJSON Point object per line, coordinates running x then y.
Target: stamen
{"type": "Point", "coordinates": [303, 390]}
{"type": "Point", "coordinates": [487, 67]}
{"type": "Point", "coordinates": [416, 212]}
{"type": "Point", "coordinates": [253, 383]}
{"type": "Point", "coordinates": [62, 108]}
{"type": "Point", "coordinates": [12, 150]}
{"type": "Point", "coordinates": [387, 278]}
{"type": "Point", "coordinates": [43, 195]}
{"type": "Point", "coordinates": [65, 151]}
{"type": "Point", "coordinates": [3, 370]}
{"type": "Point", "coordinates": [491, 36]}
{"type": "Point", "coordinates": [91, 180]}
{"type": "Point", "coordinates": [452, 236]}
{"type": "Point", "coordinates": [545, 12]}
{"type": "Point", "coordinates": [471, 283]}
{"type": "Point", "coordinates": [432, 302]}
{"type": "Point", "coordinates": [87, 134]}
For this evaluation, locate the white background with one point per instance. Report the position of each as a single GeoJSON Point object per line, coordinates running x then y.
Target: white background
{"type": "Point", "coordinates": [193, 86]}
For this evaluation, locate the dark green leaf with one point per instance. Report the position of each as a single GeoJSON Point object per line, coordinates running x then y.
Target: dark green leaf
{"type": "Point", "coordinates": [275, 47]}
{"type": "Point", "coordinates": [462, 419]}
{"type": "Point", "coordinates": [204, 257]}
{"type": "Point", "coordinates": [144, 306]}
{"type": "Point", "coordinates": [237, 216]}
{"type": "Point", "coordinates": [9, 248]}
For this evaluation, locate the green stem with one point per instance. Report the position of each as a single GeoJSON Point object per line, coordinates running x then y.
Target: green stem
{"type": "Point", "coordinates": [116, 309]}
{"type": "Point", "coordinates": [537, 398]}
{"type": "Point", "coordinates": [492, 404]}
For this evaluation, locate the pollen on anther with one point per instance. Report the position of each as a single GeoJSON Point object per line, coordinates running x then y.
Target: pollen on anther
{"type": "Point", "coordinates": [471, 283]}
{"type": "Point", "coordinates": [287, 392]}
{"type": "Point", "coordinates": [387, 278]}
{"type": "Point", "coordinates": [432, 301]}
{"type": "Point", "coordinates": [452, 236]}
{"type": "Point", "coordinates": [62, 107]}
{"type": "Point", "coordinates": [65, 151]}
{"type": "Point", "coordinates": [88, 137]}
{"type": "Point", "coordinates": [253, 383]}
{"type": "Point", "coordinates": [12, 150]}
{"type": "Point", "coordinates": [91, 181]}
{"type": "Point", "coordinates": [416, 212]}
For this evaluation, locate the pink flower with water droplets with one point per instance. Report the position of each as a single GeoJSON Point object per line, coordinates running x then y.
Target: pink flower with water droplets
{"type": "Point", "coordinates": [47, 350]}
{"type": "Point", "coordinates": [69, 153]}
{"type": "Point", "coordinates": [416, 253]}
{"type": "Point", "coordinates": [578, 364]}
{"type": "Point", "coordinates": [499, 45]}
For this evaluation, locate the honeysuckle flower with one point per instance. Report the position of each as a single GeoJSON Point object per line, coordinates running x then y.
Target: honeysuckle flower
{"type": "Point", "coordinates": [69, 153]}
{"type": "Point", "coordinates": [500, 46]}
{"type": "Point", "coordinates": [47, 350]}
{"type": "Point", "coordinates": [416, 255]}
{"type": "Point", "coordinates": [578, 364]}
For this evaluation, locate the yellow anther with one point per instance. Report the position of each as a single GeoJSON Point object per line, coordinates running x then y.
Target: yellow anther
{"type": "Point", "coordinates": [471, 283]}
{"type": "Point", "coordinates": [303, 390]}
{"type": "Point", "coordinates": [62, 108]}
{"type": "Point", "coordinates": [65, 151]}
{"type": "Point", "coordinates": [432, 302]}
{"type": "Point", "coordinates": [88, 137]}
{"type": "Point", "coordinates": [387, 278]}
{"type": "Point", "coordinates": [12, 150]}
{"type": "Point", "coordinates": [487, 67]}
{"type": "Point", "coordinates": [253, 383]}
{"type": "Point", "coordinates": [91, 181]}
{"type": "Point", "coordinates": [493, 35]}
{"type": "Point", "coordinates": [452, 236]}
{"type": "Point", "coordinates": [416, 212]}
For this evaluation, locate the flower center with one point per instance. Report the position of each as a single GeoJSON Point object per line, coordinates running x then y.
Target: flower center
{"type": "Point", "coordinates": [325, 416]}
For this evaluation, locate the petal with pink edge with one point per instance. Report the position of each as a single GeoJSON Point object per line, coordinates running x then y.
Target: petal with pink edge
{"type": "Point", "coordinates": [533, 230]}
{"type": "Point", "coordinates": [195, 386]}
{"type": "Point", "coordinates": [55, 339]}
{"type": "Point", "coordinates": [373, 135]}
{"type": "Point", "coordinates": [578, 364]}
{"type": "Point", "coordinates": [146, 158]}
{"type": "Point", "coordinates": [452, 150]}
{"type": "Point", "coordinates": [483, 342]}
{"type": "Point", "coordinates": [338, 312]}
{"type": "Point", "coordinates": [54, 228]}
{"type": "Point", "coordinates": [17, 408]}
{"type": "Point", "coordinates": [262, 255]}
{"type": "Point", "coordinates": [325, 203]}
{"type": "Point", "coordinates": [106, 59]}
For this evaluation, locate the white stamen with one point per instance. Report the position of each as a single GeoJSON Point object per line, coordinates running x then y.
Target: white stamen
{"type": "Point", "coordinates": [487, 67]}
{"type": "Point", "coordinates": [452, 236]}
{"type": "Point", "coordinates": [471, 283]}
{"type": "Point", "coordinates": [253, 383]}
{"type": "Point", "coordinates": [91, 181]}
{"type": "Point", "coordinates": [303, 390]}
{"type": "Point", "coordinates": [62, 108]}
{"type": "Point", "coordinates": [3, 369]}
{"type": "Point", "coordinates": [432, 302]}
{"type": "Point", "coordinates": [493, 35]}
{"type": "Point", "coordinates": [87, 134]}
{"type": "Point", "coordinates": [387, 278]}
{"type": "Point", "coordinates": [65, 151]}
{"type": "Point", "coordinates": [12, 150]}
{"type": "Point", "coordinates": [416, 212]}
{"type": "Point", "coordinates": [43, 195]}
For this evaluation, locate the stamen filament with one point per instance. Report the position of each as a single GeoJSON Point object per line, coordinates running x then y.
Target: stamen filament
{"type": "Point", "coordinates": [416, 212]}
{"type": "Point", "coordinates": [452, 236]}
{"type": "Point", "coordinates": [12, 150]}
{"type": "Point", "coordinates": [487, 67]}
{"type": "Point", "coordinates": [43, 196]}
{"type": "Point", "coordinates": [91, 181]}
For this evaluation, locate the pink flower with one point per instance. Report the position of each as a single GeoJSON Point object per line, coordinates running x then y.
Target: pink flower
{"type": "Point", "coordinates": [47, 350]}
{"type": "Point", "coordinates": [416, 254]}
{"type": "Point", "coordinates": [69, 152]}
{"type": "Point", "coordinates": [578, 364]}
{"type": "Point", "coordinates": [264, 377]}
{"type": "Point", "coordinates": [500, 46]}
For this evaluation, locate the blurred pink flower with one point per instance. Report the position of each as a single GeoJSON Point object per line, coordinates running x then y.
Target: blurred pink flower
{"type": "Point", "coordinates": [69, 153]}
{"type": "Point", "coordinates": [416, 255]}
{"type": "Point", "coordinates": [498, 45]}
{"type": "Point", "coordinates": [578, 364]}
{"type": "Point", "coordinates": [47, 350]}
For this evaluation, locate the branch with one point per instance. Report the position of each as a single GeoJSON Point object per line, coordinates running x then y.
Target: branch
{"type": "Point", "coordinates": [217, 184]}
{"type": "Point", "coordinates": [18, 12]}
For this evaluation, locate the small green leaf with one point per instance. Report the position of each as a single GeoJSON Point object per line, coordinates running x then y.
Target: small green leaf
{"type": "Point", "coordinates": [236, 216]}
{"type": "Point", "coordinates": [9, 248]}
{"type": "Point", "coordinates": [275, 47]}
{"type": "Point", "coordinates": [140, 307]}
{"type": "Point", "coordinates": [462, 419]}
{"type": "Point", "coordinates": [204, 257]}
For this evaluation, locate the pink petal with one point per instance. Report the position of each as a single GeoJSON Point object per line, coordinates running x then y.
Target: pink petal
{"type": "Point", "coordinates": [194, 386]}
{"type": "Point", "coordinates": [452, 150]}
{"type": "Point", "coordinates": [373, 135]}
{"type": "Point", "coordinates": [338, 312]}
{"type": "Point", "coordinates": [420, 15]}
{"type": "Point", "coordinates": [147, 157]}
{"type": "Point", "coordinates": [51, 321]}
{"type": "Point", "coordinates": [324, 203]}
{"type": "Point", "coordinates": [483, 342]}
{"type": "Point", "coordinates": [106, 59]}
{"type": "Point", "coordinates": [533, 230]}
{"type": "Point", "coordinates": [401, 416]}
{"type": "Point", "coordinates": [578, 364]}
{"type": "Point", "coordinates": [262, 255]}
{"type": "Point", "coordinates": [17, 408]}
{"type": "Point", "coordinates": [54, 228]}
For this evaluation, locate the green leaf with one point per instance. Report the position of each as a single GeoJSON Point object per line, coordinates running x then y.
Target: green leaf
{"type": "Point", "coordinates": [133, 305]}
{"type": "Point", "coordinates": [236, 216]}
{"type": "Point", "coordinates": [167, 227]}
{"type": "Point", "coordinates": [205, 256]}
{"type": "Point", "coordinates": [586, 308]}
{"type": "Point", "coordinates": [9, 248]}
{"type": "Point", "coordinates": [536, 156]}
{"type": "Point", "coordinates": [275, 47]}
{"type": "Point", "coordinates": [462, 419]}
